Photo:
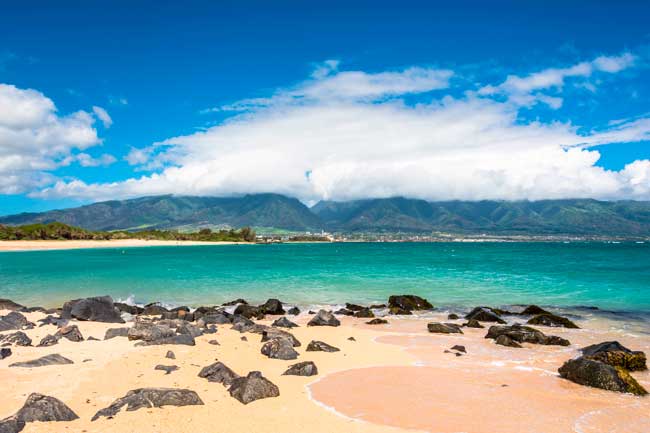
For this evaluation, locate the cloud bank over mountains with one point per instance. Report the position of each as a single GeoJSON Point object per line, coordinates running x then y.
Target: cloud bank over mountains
{"type": "Point", "coordinates": [346, 135]}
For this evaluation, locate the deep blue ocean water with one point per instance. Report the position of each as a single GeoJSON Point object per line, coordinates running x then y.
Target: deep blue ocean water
{"type": "Point", "coordinates": [604, 275]}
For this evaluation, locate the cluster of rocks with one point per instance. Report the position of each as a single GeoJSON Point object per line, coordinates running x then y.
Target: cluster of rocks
{"type": "Point", "coordinates": [246, 389]}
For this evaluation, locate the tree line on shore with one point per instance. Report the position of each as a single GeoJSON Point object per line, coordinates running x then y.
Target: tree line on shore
{"type": "Point", "coordinates": [60, 231]}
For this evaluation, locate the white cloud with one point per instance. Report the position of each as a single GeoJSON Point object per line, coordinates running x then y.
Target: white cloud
{"type": "Point", "coordinates": [85, 160]}
{"type": "Point", "coordinates": [103, 116]}
{"type": "Point", "coordinates": [35, 140]}
{"type": "Point", "coordinates": [328, 84]}
{"type": "Point", "coordinates": [526, 91]}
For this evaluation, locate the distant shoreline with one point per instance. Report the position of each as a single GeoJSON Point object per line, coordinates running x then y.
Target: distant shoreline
{"type": "Point", "coordinates": [42, 245]}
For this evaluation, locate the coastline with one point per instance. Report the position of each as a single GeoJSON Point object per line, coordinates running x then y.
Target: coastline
{"type": "Point", "coordinates": [44, 245]}
{"type": "Point", "coordinates": [393, 378]}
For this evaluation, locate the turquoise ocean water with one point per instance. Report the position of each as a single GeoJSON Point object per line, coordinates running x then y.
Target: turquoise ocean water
{"type": "Point", "coordinates": [608, 276]}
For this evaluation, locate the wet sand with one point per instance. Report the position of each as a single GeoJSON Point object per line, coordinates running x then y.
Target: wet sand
{"type": "Point", "coordinates": [393, 378]}
{"type": "Point", "coordinates": [113, 243]}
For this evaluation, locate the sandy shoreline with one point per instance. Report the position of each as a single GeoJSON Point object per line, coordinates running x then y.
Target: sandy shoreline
{"type": "Point", "coordinates": [393, 378]}
{"type": "Point", "coordinates": [113, 243]}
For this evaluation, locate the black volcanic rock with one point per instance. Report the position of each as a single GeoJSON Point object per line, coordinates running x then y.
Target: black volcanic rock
{"type": "Point", "coordinates": [253, 387]}
{"type": "Point", "coordinates": [53, 359]}
{"type": "Point", "coordinates": [150, 397]}
{"type": "Point", "coordinates": [597, 374]}
{"type": "Point", "coordinates": [307, 368]}
{"type": "Point", "coordinates": [294, 311]}
{"type": "Point", "coordinates": [283, 322]}
{"type": "Point", "coordinates": [14, 321]}
{"type": "Point", "coordinates": [70, 332]}
{"type": "Point", "coordinates": [219, 373]}
{"type": "Point", "coordinates": [18, 338]}
{"type": "Point", "coordinates": [525, 334]}
{"type": "Point", "coordinates": [409, 303]}
{"type": "Point", "coordinates": [324, 318]}
{"type": "Point", "coordinates": [549, 319]}
{"type": "Point", "coordinates": [484, 314]}
{"type": "Point", "coordinates": [444, 328]}
{"type": "Point", "coordinates": [98, 309]}
{"type": "Point", "coordinates": [249, 311]}
{"type": "Point", "coordinates": [617, 355]}
{"type": "Point", "coordinates": [377, 321]}
{"type": "Point", "coordinates": [116, 332]}
{"type": "Point", "coordinates": [279, 348]}
{"type": "Point", "coordinates": [8, 304]}
{"type": "Point", "coordinates": [272, 307]}
{"type": "Point", "coordinates": [533, 310]}
{"type": "Point", "coordinates": [319, 346]}
{"type": "Point", "coordinates": [5, 352]}
{"type": "Point", "coordinates": [364, 313]}
{"type": "Point", "coordinates": [168, 369]}
{"type": "Point", "coordinates": [43, 408]}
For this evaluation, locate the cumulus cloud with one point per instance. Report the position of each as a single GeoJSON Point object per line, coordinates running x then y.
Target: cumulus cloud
{"type": "Point", "coordinates": [103, 116]}
{"type": "Point", "coordinates": [345, 135]}
{"type": "Point", "coordinates": [34, 139]}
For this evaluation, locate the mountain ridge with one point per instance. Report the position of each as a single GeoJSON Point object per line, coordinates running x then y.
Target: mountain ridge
{"type": "Point", "coordinates": [582, 217]}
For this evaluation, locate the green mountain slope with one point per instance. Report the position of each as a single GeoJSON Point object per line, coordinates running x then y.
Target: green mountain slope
{"type": "Point", "coordinates": [168, 212]}
{"type": "Point", "coordinates": [578, 217]}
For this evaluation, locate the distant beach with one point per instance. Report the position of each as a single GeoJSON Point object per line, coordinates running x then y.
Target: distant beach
{"type": "Point", "coordinates": [113, 243]}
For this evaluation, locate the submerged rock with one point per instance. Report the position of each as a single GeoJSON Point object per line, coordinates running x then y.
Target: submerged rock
{"type": "Point", "coordinates": [324, 318]}
{"type": "Point", "coordinates": [283, 322]}
{"type": "Point", "coordinates": [484, 314]}
{"type": "Point", "coordinates": [409, 303]}
{"type": "Point", "coordinates": [150, 397]}
{"type": "Point", "coordinates": [70, 332]}
{"type": "Point", "coordinates": [396, 311]}
{"type": "Point", "coordinates": [617, 355]}
{"type": "Point", "coordinates": [344, 312]}
{"type": "Point", "coordinates": [377, 321]}
{"type": "Point", "coordinates": [16, 338]}
{"type": "Point", "coordinates": [279, 348]}
{"type": "Point", "coordinates": [53, 359]}
{"type": "Point", "coordinates": [166, 368]}
{"type": "Point", "coordinates": [97, 309]}
{"type": "Point", "coordinates": [525, 334]}
{"type": "Point", "coordinates": [219, 373]}
{"type": "Point", "coordinates": [307, 368]}
{"type": "Point", "coordinates": [444, 328]}
{"type": "Point", "coordinates": [549, 319]}
{"type": "Point", "coordinates": [319, 346]}
{"type": "Point", "coordinates": [533, 310]}
{"type": "Point", "coordinates": [253, 387]}
{"type": "Point", "coordinates": [597, 374]}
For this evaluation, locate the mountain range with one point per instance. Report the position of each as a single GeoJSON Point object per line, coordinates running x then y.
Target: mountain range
{"type": "Point", "coordinates": [583, 217]}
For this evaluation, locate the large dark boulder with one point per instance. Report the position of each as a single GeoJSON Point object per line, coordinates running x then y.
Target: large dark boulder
{"type": "Point", "coordinates": [283, 322]}
{"type": "Point", "coordinates": [324, 318]}
{"type": "Point", "coordinates": [319, 346]}
{"type": "Point", "coordinates": [307, 368]}
{"type": "Point", "coordinates": [409, 303]}
{"type": "Point", "coordinates": [484, 314]}
{"type": "Point", "coordinates": [273, 307]}
{"type": "Point", "coordinates": [53, 359]}
{"type": "Point", "coordinates": [253, 387]}
{"type": "Point", "coordinates": [617, 355]}
{"type": "Point", "coordinates": [597, 374]}
{"type": "Point", "coordinates": [525, 334]}
{"type": "Point", "coordinates": [149, 331]}
{"type": "Point", "coordinates": [214, 318]}
{"type": "Point", "coordinates": [70, 332]}
{"type": "Point", "coordinates": [151, 397]}
{"type": "Point", "coordinates": [294, 311]}
{"type": "Point", "coordinates": [18, 338]}
{"type": "Point", "coordinates": [219, 373]}
{"type": "Point", "coordinates": [249, 311]}
{"type": "Point", "coordinates": [272, 333]}
{"type": "Point", "coordinates": [42, 408]}
{"type": "Point", "coordinates": [8, 304]}
{"type": "Point", "coordinates": [444, 328]}
{"type": "Point", "coordinates": [98, 309]}
{"type": "Point", "coordinates": [279, 348]}
{"type": "Point", "coordinates": [14, 321]}
{"type": "Point", "coordinates": [549, 319]}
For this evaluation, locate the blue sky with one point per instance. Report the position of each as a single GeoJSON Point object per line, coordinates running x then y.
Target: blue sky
{"type": "Point", "coordinates": [335, 100]}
